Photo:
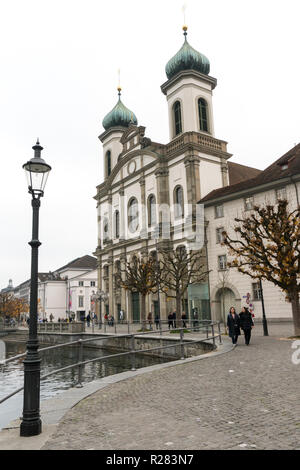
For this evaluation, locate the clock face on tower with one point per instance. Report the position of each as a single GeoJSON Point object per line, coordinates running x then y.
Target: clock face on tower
{"type": "Point", "coordinates": [131, 167]}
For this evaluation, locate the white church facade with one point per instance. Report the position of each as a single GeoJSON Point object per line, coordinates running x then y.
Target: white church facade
{"type": "Point", "coordinates": [148, 183]}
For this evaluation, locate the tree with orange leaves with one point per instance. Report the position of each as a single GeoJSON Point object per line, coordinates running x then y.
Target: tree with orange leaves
{"type": "Point", "coordinates": [268, 247]}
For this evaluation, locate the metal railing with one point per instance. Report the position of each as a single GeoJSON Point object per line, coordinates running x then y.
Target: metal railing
{"type": "Point", "coordinates": [182, 344]}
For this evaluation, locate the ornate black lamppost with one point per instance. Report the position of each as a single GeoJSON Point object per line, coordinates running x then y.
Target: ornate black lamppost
{"type": "Point", "coordinates": [100, 296]}
{"type": "Point", "coordinates": [37, 171]}
{"type": "Point", "coordinates": [265, 325]}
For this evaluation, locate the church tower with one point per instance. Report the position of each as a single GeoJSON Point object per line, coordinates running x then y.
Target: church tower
{"type": "Point", "coordinates": [189, 91]}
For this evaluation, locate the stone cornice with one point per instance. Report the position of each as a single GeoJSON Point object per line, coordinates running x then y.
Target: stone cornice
{"type": "Point", "coordinates": [187, 74]}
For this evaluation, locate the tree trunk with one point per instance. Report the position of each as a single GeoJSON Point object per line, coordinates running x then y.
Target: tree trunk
{"type": "Point", "coordinates": [143, 312]}
{"type": "Point", "coordinates": [296, 312]}
{"type": "Point", "coordinates": [178, 310]}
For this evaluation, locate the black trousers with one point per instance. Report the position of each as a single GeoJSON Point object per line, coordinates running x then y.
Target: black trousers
{"type": "Point", "coordinates": [247, 332]}
{"type": "Point", "coordinates": [234, 339]}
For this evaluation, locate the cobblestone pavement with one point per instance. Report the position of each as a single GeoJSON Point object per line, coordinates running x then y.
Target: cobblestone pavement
{"type": "Point", "coordinates": [245, 399]}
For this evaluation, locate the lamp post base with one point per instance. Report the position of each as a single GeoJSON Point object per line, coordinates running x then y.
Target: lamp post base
{"type": "Point", "coordinates": [28, 429]}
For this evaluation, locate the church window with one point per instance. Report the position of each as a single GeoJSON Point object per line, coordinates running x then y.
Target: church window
{"type": "Point", "coordinates": [177, 118]}
{"type": "Point", "coordinates": [105, 271]}
{"type": "Point", "coordinates": [117, 224]}
{"type": "Point", "coordinates": [178, 202]}
{"type": "Point", "coordinates": [219, 211]}
{"type": "Point", "coordinates": [203, 118]}
{"type": "Point", "coordinates": [151, 210]}
{"type": "Point", "coordinates": [133, 215]}
{"type": "Point", "coordinates": [222, 262]}
{"type": "Point", "coordinates": [108, 163]}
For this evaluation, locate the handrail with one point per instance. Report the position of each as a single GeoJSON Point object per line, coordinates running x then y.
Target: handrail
{"type": "Point", "coordinates": [133, 352]}
{"type": "Point", "coordinates": [99, 336]}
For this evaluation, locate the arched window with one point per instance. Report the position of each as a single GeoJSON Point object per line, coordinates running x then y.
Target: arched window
{"type": "Point", "coordinates": [177, 118]}
{"type": "Point", "coordinates": [178, 202]}
{"type": "Point", "coordinates": [108, 163]}
{"type": "Point", "coordinates": [151, 210]}
{"type": "Point", "coordinates": [117, 224]}
{"type": "Point", "coordinates": [133, 215]}
{"type": "Point", "coordinates": [203, 115]}
{"type": "Point", "coordinates": [105, 229]}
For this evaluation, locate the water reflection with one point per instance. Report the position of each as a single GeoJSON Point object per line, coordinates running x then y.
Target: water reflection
{"type": "Point", "coordinates": [12, 376]}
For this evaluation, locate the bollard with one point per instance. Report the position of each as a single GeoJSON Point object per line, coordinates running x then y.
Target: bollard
{"type": "Point", "coordinates": [133, 354]}
{"type": "Point", "coordinates": [213, 334]}
{"type": "Point", "coordinates": [93, 326]}
{"type": "Point", "coordinates": [181, 344]}
{"type": "Point", "coordinates": [80, 358]}
{"type": "Point", "coordinates": [219, 328]}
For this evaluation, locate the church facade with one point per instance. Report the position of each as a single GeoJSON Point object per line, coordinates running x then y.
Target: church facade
{"type": "Point", "coordinates": [149, 185]}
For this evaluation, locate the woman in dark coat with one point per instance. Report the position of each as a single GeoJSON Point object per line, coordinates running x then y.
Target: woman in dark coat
{"type": "Point", "coordinates": [233, 325]}
{"type": "Point", "coordinates": [246, 324]}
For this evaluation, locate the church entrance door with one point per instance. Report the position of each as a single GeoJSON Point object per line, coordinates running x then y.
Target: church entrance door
{"type": "Point", "coordinates": [135, 307]}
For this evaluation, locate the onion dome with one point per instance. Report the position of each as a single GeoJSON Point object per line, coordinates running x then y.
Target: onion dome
{"type": "Point", "coordinates": [119, 116]}
{"type": "Point", "coordinates": [187, 58]}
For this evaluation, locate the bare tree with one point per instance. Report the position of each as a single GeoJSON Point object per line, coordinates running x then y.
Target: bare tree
{"type": "Point", "coordinates": [177, 270]}
{"type": "Point", "coordinates": [140, 277]}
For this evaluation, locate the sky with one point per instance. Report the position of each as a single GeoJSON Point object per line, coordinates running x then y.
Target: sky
{"type": "Point", "coordinates": [59, 62]}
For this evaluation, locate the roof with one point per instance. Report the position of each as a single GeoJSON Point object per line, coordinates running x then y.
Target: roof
{"type": "Point", "coordinates": [84, 262]}
{"type": "Point", "coordinates": [273, 173]}
{"type": "Point", "coordinates": [238, 173]}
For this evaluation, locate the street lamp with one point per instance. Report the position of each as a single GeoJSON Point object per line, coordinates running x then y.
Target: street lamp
{"type": "Point", "coordinates": [37, 171]}
{"type": "Point", "coordinates": [265, 325]}
{"type": "Point", "coordinates": [100, 296]}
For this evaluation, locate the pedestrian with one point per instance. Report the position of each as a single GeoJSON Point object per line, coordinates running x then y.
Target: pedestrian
{"type": "Point", "coordinates": [112, 320]}
{"type": "Point", "coordinates": [183, 318]}
{"type": "Point", "coordinates": [233, 325]}
{"type": "Point", "coordinates": [170, 320]}
{"type": "Point", "coordinates": [149, 318]}
{"type": "Point", "coordinates": [106, 318]}
{"type": "Point", "coordinates": [88, 320]}
{"type": "Point", "coordinates": [156, 319]}
{"type": "Point", "coordinates": [246, 324]}
{"type": "Point", "coordinates": [174, 319]}
{"type": "Point", "coordinates": [121, 316]}
{"type": "Point", "coordinates": [51, 317]}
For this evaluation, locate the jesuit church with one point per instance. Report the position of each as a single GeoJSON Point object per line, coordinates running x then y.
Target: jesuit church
{"type": "Point", "coordinates": [142, 176]}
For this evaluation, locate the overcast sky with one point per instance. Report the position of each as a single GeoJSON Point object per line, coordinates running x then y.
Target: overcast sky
{"type": "Point", "coordinates": [59, 62]}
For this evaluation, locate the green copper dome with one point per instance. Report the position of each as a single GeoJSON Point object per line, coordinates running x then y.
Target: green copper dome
{"type": "Point", "coordinates": [119, 116]}
{"type": "Point", "coordinates": [187, 58]}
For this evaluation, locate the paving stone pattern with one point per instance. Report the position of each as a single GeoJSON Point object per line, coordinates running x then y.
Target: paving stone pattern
{"type": "Point", "coordinates": [245, 399]}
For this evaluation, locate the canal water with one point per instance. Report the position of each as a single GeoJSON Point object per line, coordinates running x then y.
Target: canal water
{"type": "Point", "coordinates": [12, 375]}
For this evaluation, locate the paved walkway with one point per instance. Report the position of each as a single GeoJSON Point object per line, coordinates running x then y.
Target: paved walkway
{"type": "Point", "coordinates": [245, 399]}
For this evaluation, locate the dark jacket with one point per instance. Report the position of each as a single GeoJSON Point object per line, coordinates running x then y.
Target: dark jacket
{"type": "Point", "coordinates": [246, 321]}
{"type": "Point", "coordinates": [233, 325]}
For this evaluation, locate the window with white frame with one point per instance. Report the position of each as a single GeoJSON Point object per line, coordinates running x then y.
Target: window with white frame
{"type": "Point", "coordinates": [80, 301]}
{"type": "Point", "coordinates": [256, 291]}
{"type": "Point", "coordinates": [219, 211]}
{"type": "Point", "coordinates": [219, 232]}
{"type": "Point", "coordinates": [222, 262]}
{"type": "Point", "coordinates": [80, 283]}
{"type": "Point", "coordinates": [248, 203]}
{"type": "Point", "coordinates": [93, 283]}
{"type": "Point", "coordinates": [281, 194]}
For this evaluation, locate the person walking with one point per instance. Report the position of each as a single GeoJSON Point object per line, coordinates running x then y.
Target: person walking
{"type": "Point", "coordinates": [149, 318]}
{"type": "Point", "coordinates": [88, 320]}
{"type": "Point", "coordinates": [233, 325]}
{"type": "Point", "coordinates": [156, 319]}
{"type": "Point", "coordinates": [246, 324]}
{"type": "Point", "coordinates": [174, 319]}
{"type": "Point", "coordinates": [183, 318]}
